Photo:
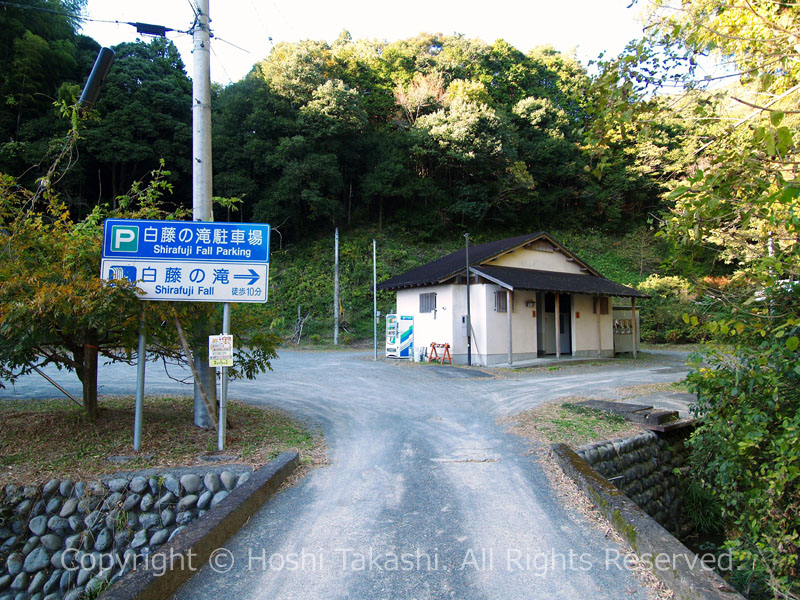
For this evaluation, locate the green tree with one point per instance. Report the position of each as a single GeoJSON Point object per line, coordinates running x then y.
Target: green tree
{"type": "Point", "coordinates": [145, 115]}
{"type": "Point", "coordinates": [738, 197]}
{"type": "Point", "coordinates": [43, 61]}
{"type": "Point", "coordinates": [294, 71]}
{"type": "Point", "coordinates": [37, 52]}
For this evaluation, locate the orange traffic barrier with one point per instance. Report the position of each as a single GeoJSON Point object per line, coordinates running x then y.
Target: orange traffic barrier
{"type": "Point", "coordinates": [434, 355]}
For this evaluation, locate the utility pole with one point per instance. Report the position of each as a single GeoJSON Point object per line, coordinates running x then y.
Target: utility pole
{"type": "Point", "coordinates": [201, 184]}
{"type": "Point", "coordinates": [201, 115]}
{"type": "Point", "coordinates": [336, 289]}
{"type": "Point", "coordinates": [469, 313]}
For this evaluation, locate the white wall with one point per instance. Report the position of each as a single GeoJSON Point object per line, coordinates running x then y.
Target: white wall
{"type": "Point", "coordinates": [429, 327]}
{"type": "Point", "coordinates": [490, 328]}
{"type": "Point", "coordinates": [523, 326]}
{"type": "Point", "coordinates": [585, 327]}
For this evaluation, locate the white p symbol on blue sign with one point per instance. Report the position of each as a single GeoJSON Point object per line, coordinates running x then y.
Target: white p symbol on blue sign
{"type": "Point", "coordinates": [124, 238]}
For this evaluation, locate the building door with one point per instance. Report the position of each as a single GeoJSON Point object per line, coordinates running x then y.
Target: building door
{"type": "Point", "coordinates": [565, 323]}
{"type": "Point", "coordinates": [548, 323]}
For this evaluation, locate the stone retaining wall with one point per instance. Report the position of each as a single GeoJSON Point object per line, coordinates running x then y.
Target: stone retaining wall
{"type": "Point", "coordinates": [642, 468]}
{"type": "Point", "coordinates": [65, 539]}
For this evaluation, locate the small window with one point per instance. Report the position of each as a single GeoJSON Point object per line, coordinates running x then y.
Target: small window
{"type": "Point", "coordinates": [501, 301]}
{"type": "Point", "coordinates": [427, 302]}
{"type": "Point", "coordinates": [602, 305]}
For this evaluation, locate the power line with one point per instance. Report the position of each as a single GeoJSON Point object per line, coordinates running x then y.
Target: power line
{"type": "Point", "coordinates": [219, 39]}
{"type": "Point", "coordinates": [143, 28]}
{"type": "Point", "coordinates": [221, 63]}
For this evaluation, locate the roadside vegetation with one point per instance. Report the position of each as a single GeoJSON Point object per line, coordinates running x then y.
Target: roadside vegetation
{"type": "Point", "coordinates": [564, 422]}
{"type": "Point", "coordinates": [43, 439]}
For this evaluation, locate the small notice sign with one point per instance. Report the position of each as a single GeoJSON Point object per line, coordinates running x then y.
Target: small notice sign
{"type": "Point", "coordinates": [220, 350]}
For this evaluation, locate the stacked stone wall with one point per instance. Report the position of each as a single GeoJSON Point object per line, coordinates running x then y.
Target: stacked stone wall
{"type": "Point", "coordinates": [68, 540]}
{"type": "Point", "coordinates": [642, 467]}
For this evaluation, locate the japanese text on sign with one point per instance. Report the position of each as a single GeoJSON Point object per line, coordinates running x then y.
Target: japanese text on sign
{"type": "Point", "coordinates": [220, 350]}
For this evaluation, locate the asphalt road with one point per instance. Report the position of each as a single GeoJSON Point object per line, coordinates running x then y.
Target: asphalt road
{"type": "Point", "coordinates": [426, 495]}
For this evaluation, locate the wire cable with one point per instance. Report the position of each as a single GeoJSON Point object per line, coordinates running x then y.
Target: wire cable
{"type": "Point", "coordinates": [80, 17]}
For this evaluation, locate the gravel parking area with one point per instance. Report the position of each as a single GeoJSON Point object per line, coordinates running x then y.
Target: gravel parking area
{"type": "Point", "coordinates": [426, 494]}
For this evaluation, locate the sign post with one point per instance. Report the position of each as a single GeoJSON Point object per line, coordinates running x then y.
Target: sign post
{"type": "Point", "coordinates": [220, 355]}
{"type": "Point", "coordinates": [189, 261]}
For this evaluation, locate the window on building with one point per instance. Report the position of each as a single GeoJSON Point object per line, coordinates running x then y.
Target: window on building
{"type": "Point", "coordinates": [501, 301]}
{"type": "Point", "coordinates": [427, 302]}
{"type": "Point", "coordinates": [602, 305]}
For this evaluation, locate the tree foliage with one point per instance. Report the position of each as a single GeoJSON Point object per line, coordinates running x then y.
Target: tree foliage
{"type": "Point", "coordinates": [737, 196]}
{"type": "Point", "coordinates": [441, 129]}
{"type": "Point", "coordinates": [144, 116]}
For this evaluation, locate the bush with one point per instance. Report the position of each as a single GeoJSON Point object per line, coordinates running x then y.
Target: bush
{"type": "Point", "coordinates": [746, 454]}
{"type": "Point", "coordinates": [662, 315]}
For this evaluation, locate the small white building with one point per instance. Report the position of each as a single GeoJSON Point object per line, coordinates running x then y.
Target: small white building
{"type": "Point", "coordinates": [530, 297]}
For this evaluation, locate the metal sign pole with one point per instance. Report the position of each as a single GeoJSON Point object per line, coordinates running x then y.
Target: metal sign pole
{"type": "Point", "coordinates": [137, 419]}
{"type": "Point", "coordinates": [469, 312]}
{"type": "Point", "coordinates": [336, 290]}
{"type": "Point", "coordinates": [223, 399]}
{"type": "Point", "coordinates": [375, 296]}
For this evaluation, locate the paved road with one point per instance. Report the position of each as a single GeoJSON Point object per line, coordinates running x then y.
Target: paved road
{"type": "Point", "coordinates": [426, 495]}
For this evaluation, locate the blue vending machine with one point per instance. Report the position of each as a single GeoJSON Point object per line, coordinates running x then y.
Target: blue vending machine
{"type": "Point", "coordinates": [400, 336]}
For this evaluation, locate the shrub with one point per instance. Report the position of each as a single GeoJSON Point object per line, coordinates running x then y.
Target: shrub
{"type": "Point", "coordinates": [746, 454]}
{"type": "Point", "coordinates": [661, 316]}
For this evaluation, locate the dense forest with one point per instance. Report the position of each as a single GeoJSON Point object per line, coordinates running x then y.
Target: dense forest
{"type": "Point", "coordinates": [678, 180]}
{"type": "Point", "coordinates": [434, 132]}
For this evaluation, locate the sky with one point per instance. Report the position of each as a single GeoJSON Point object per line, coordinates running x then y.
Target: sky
{"type": "Point", "coordinates": [243, 28]}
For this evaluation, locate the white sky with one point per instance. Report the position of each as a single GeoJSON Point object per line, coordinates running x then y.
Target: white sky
{"type": "Point", "coordinates": [586, 26]}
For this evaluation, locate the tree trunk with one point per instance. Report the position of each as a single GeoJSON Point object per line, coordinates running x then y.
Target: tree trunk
{"type": "Point", "coordinates": [90, 382]}
{"type": "Point", "coordinates": [349, 204]}
{"type": "Point", "coordinates": [86, 369]}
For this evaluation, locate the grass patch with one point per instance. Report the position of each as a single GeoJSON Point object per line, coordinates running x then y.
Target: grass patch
{"type": "Point", "coordinates": [693, 347]}
{"type": "Point", "coordinates": [635, 391]}
{"type": "Point", "coordinates": [563, 421]}
{"type": "Point", "coordinates": [42, 439]}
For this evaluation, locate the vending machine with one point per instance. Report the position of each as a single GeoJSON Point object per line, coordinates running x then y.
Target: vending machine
{"type": "Point", "coordinates": [400, 336]}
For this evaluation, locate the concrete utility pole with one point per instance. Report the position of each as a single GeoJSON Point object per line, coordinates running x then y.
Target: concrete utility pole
{"type": "Point", "coordinates": [201, 183]}
{"type": "Point", "coordinates": [336, 289]}
{"type": "Point", "coordinates": [201, 115]}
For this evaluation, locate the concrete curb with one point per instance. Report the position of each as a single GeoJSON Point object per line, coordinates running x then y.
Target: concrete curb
{"type": "Point", "coordinates": [680, 569]}
{"type": "Point", "coordinates": [191, 548]}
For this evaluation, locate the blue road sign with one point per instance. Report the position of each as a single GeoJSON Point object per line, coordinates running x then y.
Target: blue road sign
{"type": "Point", "coordinates": [189, 260]}
{"type": "Point", "coordinates": [186, 240]}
